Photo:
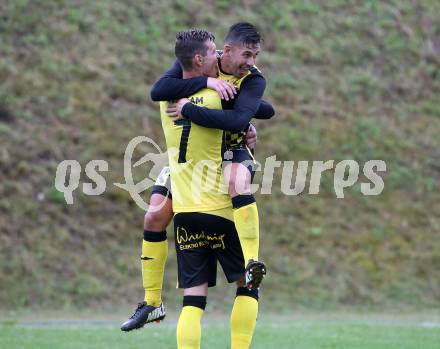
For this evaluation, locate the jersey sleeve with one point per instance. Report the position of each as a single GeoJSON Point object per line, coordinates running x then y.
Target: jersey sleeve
{"type": "Point", "coordinates": [171, 86]}
{"type": "Point", "coordinates": [236, 119]}
{"type": "Point", "coordinates": [265, 111]}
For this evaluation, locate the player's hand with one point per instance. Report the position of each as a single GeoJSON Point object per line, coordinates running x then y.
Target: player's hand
{"type": "Point", "coordinates": [174, 111]}
{"type": "Point", "coordinates": [251, 136]}
{"type": "Point", "coordinates": [225, 89]}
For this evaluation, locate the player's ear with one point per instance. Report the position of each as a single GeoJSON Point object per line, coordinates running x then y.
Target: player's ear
{"type": "Point", "coordinates": [198, 60]}
{"type": "Point", "coordinates": [227, 48]}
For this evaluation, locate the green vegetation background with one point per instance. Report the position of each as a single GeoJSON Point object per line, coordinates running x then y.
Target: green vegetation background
{"type": "Point", "coordinates": [349, 79]}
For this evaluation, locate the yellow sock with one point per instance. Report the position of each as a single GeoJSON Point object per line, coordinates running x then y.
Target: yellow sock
{"type": "Point", "coordinates": [243, 319]}
{"type": "Point", "coordinates": [248, 229]}
{"type": "Point", "coordinates": [189, 332]}
{"type": "Point", "coordinates": [154, 257]}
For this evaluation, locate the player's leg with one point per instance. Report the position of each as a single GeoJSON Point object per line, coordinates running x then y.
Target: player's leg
{"type": "Point", "coordinates": [230, 256]}
{"type": "Point", "coordinates": [239, 175]}
{"type": "Point", "coordinates": [243, 316]}
{"type": "Point", "coordinates": [189, 331]}
{"type": "Point", "coordinates": [197, 269]}
{"type": "Point", "coordinates": [155, 247]}
{"type": "Point", "coordinates": [245, 210]}
{"type": "Point", "coordinates": [153, 259]}
{"type": "Point", "coordinates": [154, 255]}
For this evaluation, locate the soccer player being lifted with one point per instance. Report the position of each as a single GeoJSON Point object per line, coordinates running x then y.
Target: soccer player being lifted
{"type": "Point", "coordinates": [241, 86]}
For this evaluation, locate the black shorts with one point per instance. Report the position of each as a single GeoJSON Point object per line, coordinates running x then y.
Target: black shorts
{"type": "Point", "coordinates": [242, 155]}
{"type": "Point", "coordinates": [201, 239]}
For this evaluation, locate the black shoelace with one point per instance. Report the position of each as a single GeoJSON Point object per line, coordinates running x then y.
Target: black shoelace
{"type": "Point", "coordinates": [139, 307]}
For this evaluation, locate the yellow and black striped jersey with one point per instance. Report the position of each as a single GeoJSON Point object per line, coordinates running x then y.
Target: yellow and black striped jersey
{"type": "Point", "coordinates": [233, 139]}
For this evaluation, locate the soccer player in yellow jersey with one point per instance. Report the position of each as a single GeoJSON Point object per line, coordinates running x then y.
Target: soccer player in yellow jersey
{"type": "Point", "coordinates": [203, 222]}
{"type": "Point", "coordinates": [244, 82]}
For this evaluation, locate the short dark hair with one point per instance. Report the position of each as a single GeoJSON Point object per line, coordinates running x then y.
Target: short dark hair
{"type": "Point", "coordinates": [243, 33]}
{"type": "Point", "coordinates": [189, 43]}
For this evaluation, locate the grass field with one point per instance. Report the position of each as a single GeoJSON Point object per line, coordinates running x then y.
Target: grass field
{"type": "Point", "coordinates": [316, 331]}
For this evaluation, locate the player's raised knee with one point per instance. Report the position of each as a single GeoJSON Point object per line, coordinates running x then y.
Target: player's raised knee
{"type": "Point", "coordinates": [159, 214]}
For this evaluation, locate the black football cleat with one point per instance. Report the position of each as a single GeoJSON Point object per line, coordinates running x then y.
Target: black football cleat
{"type": "Point", "coordinates": [144, 314]}
{"type": "Point", "coordinates": [254, 274]}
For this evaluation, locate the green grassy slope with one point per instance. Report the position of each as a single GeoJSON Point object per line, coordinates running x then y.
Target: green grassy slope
{"type": "Point", "coordinates": [355, 80]}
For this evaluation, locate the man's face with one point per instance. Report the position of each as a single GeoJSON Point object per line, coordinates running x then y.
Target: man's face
{"type": "Point", "coordinates": [210, 67]}
{"type": "Point", "coordinates": [242, 57]}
